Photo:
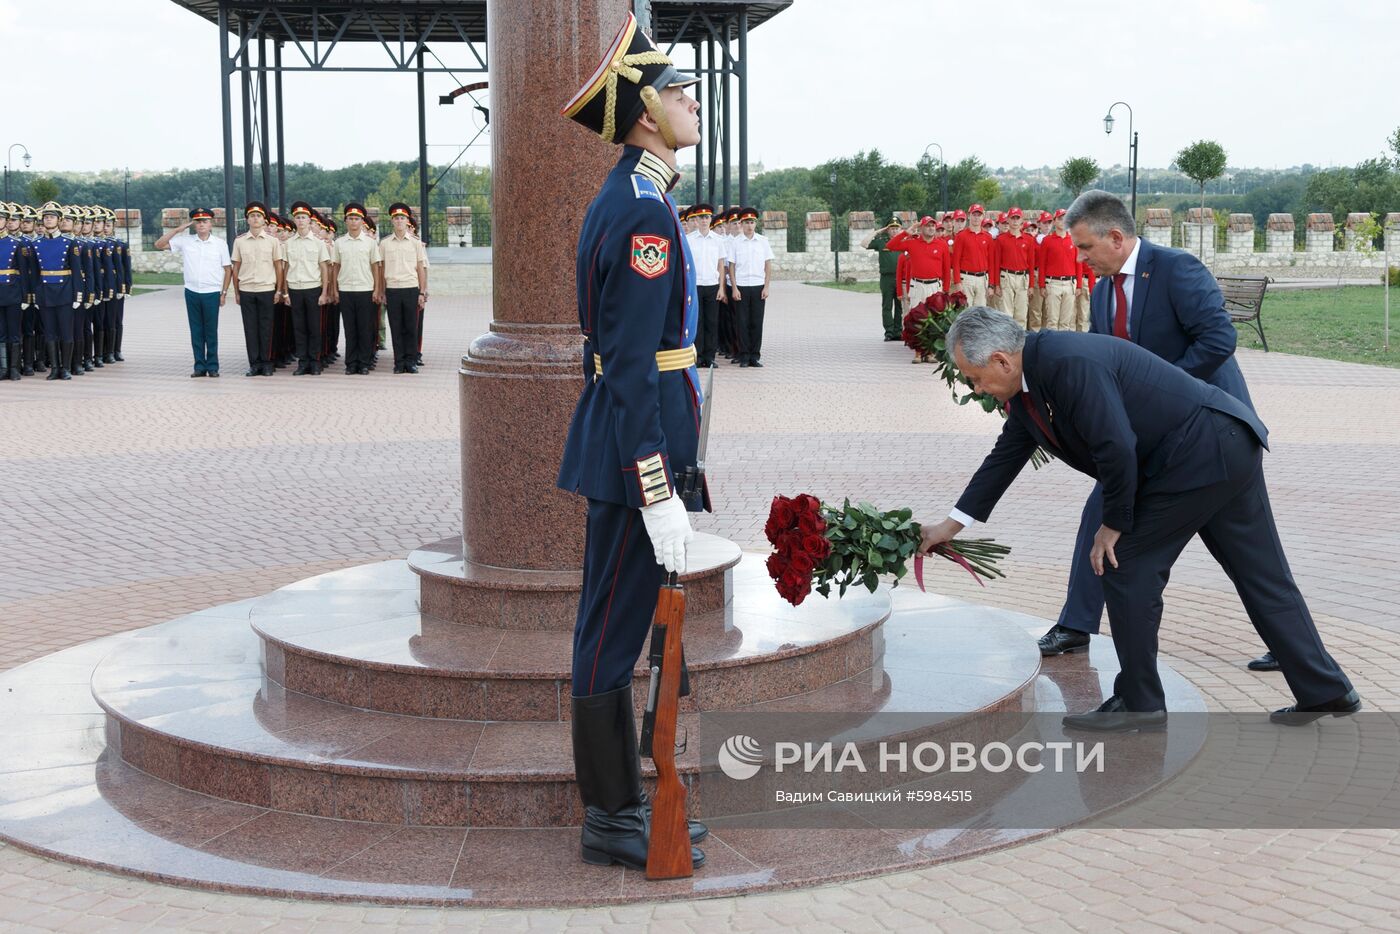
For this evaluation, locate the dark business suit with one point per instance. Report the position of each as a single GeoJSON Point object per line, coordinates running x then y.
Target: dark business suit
{"type": "Point", "coordinates": [1176, 457]}
{"type": "Point", "coordinates": [1178, 313]}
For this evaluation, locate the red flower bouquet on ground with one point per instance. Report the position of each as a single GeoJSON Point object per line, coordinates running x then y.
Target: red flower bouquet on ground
{"type": "Point", "coordinates": [816, 546]}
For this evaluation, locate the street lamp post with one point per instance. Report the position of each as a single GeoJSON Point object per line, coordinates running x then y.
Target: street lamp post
{"type": "Point", "coordinates": [1132, 150]}
{"type": "Point", "coordinates": [836, 253]}
{"type": "Point", "coordinates": [943, 177]}
{"type": "Point", "coordinates": [8, 155]}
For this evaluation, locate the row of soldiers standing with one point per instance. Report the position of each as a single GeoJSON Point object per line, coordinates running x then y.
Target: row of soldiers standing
{"type": "Point", "coordinates": [64, 279]}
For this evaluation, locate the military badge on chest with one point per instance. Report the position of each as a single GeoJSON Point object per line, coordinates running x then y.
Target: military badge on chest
{"type": "Point", "coordinates": [651, 256]}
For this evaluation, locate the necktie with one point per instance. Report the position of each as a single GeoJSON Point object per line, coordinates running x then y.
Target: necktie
{"type": "Point", "coordinates": [1120, 315]}
{"type": "Point", "coordinates": [1039, 422]}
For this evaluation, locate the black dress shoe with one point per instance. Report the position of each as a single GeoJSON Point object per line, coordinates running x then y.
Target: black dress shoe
{"type": "Point", "coordinates": [1265, 662]}
{"type": "Point", "coordinates": [1061, 640]}
{"type": "Point", "coordinates": [1297, 715]}
{"type": "Point", "coordinates": [257, 372]}
{"type": "Point", "coordinates": [213, 375]}
{"type": "Point", "coordinates": [269, 370]}
{"type": "Point", "coordinates": [743, 363]}
{"type": "Point", "coordinates": [196, 374]}
{"type": "Point", "coordinates": [1113, 716]}
{"type": "Point", "coordinates": [755, 363]}
{"type": "Point", "coordinates": [410, 369]}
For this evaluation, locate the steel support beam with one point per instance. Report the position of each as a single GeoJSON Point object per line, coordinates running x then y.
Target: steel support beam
{"type": "Point", "coordinates": [225, 75]}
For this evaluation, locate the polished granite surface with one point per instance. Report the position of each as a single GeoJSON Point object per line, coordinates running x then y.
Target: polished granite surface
{"type": "Point", "coordinates": [196, 687]}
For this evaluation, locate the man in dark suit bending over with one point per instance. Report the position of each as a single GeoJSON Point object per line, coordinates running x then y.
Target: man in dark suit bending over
{"type": "Point", "coordinates": [1176, 457]}
{"type": "Point", "coordinates": [1165, 301]}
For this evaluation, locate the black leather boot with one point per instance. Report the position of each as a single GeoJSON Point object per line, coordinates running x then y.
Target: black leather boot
{"type": "Point", "coordinates": [15, 360]}
{"type": "Point", "coordinates": [30, 351]}
{"type": "Point", "coordinates": [610, 781]}
{"type": "Point", "coordinates": [98, 339]}
{"type": "Point", "coordinates": [5, 361]}
{"type": "Point", "coordinates": [111, 342]}
{"type": "Point", "coordinates": [117, 348]}
{"type": "Point", "coordinates": [55, 354]}
{"type": "Point", "coordinates": [72, 357]}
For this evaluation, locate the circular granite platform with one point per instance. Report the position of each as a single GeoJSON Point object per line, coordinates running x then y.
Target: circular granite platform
{"type": "Point", "coordinates": [181, 754]}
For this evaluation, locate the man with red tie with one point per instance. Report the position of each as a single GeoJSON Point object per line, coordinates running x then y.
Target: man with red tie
{"type": "Point", "coordinates": [972, 258]}
{"type": "Point", "coordinates": [929, 262]}
{"type": "Point", "coordinates": [1012, 268]}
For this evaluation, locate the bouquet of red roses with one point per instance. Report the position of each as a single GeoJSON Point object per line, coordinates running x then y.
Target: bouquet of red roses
{"type": "Point", "coordinates": [816, 546]}
{"type": "Point", "coordinates": [926, 333]}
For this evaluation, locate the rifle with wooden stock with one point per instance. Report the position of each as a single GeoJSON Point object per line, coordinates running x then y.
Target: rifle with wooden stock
{"type": "Point", "coordinates": [668, 849]}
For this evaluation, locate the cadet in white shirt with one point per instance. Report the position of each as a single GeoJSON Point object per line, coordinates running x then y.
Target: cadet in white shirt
{"type": "Point", "coordinates": [707, 251]}
{"type": "Point", "coordinates": [752, 265]}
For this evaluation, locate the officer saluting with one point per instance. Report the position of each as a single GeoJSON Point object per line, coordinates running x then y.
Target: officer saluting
{"type": "Point", "coordinates": [635, 430]}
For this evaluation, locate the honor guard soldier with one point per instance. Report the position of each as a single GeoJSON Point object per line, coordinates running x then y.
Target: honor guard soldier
{"type": "Point", "coordinates": [308, 288]}
{"type": "Point", "coordinates": [423, 305]}
{"type": "Point", "coordinates": [636, 428]}
{"type": "Point", "coordinates": [972, 256]}
{"type": "Point", "coordinates": [107, 285]}
{"type": "Point", "coordinates": [404, 287]}
{"type": "Point", "coordinates": [31, 329]}
{"type": "Point", "coordinates": [751, 258]}
{"type": "Point", "coordinates": [355, 261]}
{"type": "Point", "coordinates": [707, 250]}
{"type": "Point", "coordinates": [14, 298]}
{"type": "Point", "coordinates": [59, 289]}
{"type": "Point", "coordinates": [122, 252]}
{"type": "Point", "coordinates": [1011, 272]}
{"type": "Point", "coordinates": [256, 257]}
{"type": "Point", "coordinates": [71, 226]}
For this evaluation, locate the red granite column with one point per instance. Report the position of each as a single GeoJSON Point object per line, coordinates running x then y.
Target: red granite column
{"type": "Point", "coordinates": [520, 382]}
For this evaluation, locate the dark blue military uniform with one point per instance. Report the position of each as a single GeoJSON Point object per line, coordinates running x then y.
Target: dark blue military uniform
{"type": "Point", "coordinates": [636, 426]}
{"type": "Point", "coordinates": [121, 253]}
{"type": "Point", "coordinates": [13, 280]}
{"type": "Point", "coordinates": [61, 282]}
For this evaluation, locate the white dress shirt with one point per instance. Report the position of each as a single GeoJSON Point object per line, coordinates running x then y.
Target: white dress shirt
{"type": "Point", "coordinates": [204, 260]}
{"type": "Point", "coordinates": [707, 250]}
{"type": "Point", "coordinates": [748, 256]}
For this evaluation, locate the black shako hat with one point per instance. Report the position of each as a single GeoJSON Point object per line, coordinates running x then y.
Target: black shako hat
{"type": "Point", "coordinates": [626, 82]}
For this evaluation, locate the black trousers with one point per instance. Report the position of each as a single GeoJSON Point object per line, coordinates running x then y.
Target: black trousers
{"type": "Point", "coordinates": [59, 321]}
{"type": "Point", "coordinates": [361, 321]}
{"type": "Point", "coordinates": [31, 322]}
{"type": "Point", "coordinates": [707, 327]}
{"type": "Point", "coordinates": [306, 323]}
{"type": "Point", "coordinates": [9, 323]}
{"type": "Point", "coordinates": [257, 327]}
{"type": "Point", "coordinates": [750, 322]}
{"type": "Point", "coordinates": [1236, 522]}
{"type": "Point", "coordinates": [402, 308]}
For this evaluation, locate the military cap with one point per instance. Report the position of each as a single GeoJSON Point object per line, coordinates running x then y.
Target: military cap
{"type": "Point", "coordinates": [301, 207]}
{"type": "Point", "coordinates": [626, 82]}
{"type": "Point", "coordinates": [398, 207]}
{"type": "Point", "coordinates": [255, 207]}
{"type": "Point", "coordinates": [7, 210]}
{"type": "Point", "coordinates": [355, 209]}
{"type": "Point", "coordinates": [369, 222]}
{"type": "Point", "coordinates": [748, 214]}
{"type": "Point", "coordinates": [30, 212]}
{"type": "Point", "coordinates": [702, 210]}
{"type": "Point", "coordinates": [73, 212]}
{"type": "Point", "coordinates": [51, 207]}
{"type": "Point", "coordinates": [201, 214]}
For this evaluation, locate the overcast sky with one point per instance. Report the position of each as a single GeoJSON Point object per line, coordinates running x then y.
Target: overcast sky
{"type": "Point", "coordinates": [1014, 82]}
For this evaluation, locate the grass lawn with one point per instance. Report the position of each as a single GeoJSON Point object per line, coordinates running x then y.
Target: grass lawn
{"type": "Point", "coordinates": [137, 290]}
{"type": "Point", "coordinates": [157, 278]}
{"type": "Point", "coordinates": [1335, 324]}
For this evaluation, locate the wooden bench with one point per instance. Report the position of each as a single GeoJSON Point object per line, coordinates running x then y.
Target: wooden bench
{"type": "Point", "coordinates": [1244, 297]}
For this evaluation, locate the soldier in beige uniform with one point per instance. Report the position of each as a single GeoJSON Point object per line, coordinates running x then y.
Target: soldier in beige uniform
{"type": "Point", "coordinates": [308, 288]}
{"type": "Point", "coordinates": [355, 263]}
{"type": "Point", "coordinates": [256, 256]}
{"type": "Point", "coordinates": [405, 288]}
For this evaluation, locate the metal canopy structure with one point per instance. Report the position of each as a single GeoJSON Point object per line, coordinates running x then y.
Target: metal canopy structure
{"type": "Point", "coordinates": [308, 34]}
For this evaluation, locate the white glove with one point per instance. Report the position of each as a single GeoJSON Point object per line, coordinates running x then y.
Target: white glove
{"type": "Point", "coordinates": [77, 304]}
{"type": "Point", "coordinates": [669, 528]}
{"type": "Point", "coordinates": [24, 306]}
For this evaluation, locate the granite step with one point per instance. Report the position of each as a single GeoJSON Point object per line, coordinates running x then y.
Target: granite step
{"type": "Point", "coordinates": [189, 702]}
{"type": "Point", "coordinates": [455, 588]}
{"type": "Point", "coordinates": [359, 639]}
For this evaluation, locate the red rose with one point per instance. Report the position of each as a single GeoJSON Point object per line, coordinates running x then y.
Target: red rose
{"type": "Point", "coordinates": [806, 502]}
{"type": "Point", "coordinates": [816, 547]}
{"type": "Point", "coordinates": [789, 541]}
{"type": "Point", "coordinates": [777, 564]}
{"type": "Point", "coordinates": [958, 299]}
{"type": "Point", "coordinates": [810, 524]}
{"type": "Point", "coordinates": [794, 586]}
{"type": "Point", "coordinates": [781, 516]}
{"type": "Point", "coordinates": [938, 301]}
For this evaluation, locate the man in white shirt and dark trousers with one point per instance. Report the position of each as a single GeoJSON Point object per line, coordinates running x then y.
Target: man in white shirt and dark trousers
{"type": "Point", "coordinates": [752, 259]}
{"type": "Point", "coordinates": [708, 253]}
{"type": "Point", "coordinates": [208, 272]}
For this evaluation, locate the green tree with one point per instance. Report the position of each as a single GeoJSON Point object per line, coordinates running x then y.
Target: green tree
{"type": "Point", "coordinates": [1202, 161]}
{"type": "Point", "coordinates": [962, 178]}
{"type": "Point", "coordinates": [1077, 173]}
{"type": "Point", "coordinates": [1393, 144]}
{"type": "Point", "coordinates": [42, 190]}
{"type": "Point", "coordinates": [914, 196]}
{"type": "Point", "coordinates": [986, 190]}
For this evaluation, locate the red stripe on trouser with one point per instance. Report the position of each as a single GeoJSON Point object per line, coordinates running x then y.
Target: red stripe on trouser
{"type": "Point", "coordinates": [617, 571]}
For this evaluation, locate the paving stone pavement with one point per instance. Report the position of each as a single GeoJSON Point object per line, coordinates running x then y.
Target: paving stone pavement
{"type": "Point", "coordinates": [134, 494]}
